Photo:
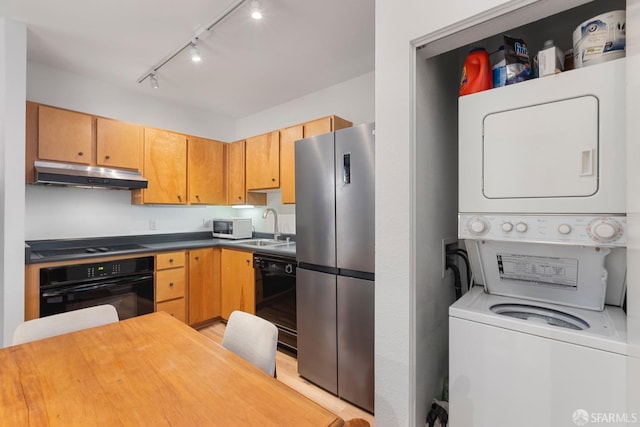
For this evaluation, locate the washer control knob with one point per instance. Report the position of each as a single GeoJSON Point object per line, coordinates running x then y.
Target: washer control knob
{"type": "Point", "coordinates": [478, 225]}
{"type": "Point", "coordinates": [564, 229]}
{"type": "Point", "coordinates": [604, 230]}
{"type": "Point", "coordinates": [507, 226]}
{"type": "Point", "coordinates": [521, 227]}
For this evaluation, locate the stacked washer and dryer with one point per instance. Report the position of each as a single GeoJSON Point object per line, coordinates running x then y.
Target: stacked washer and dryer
{"type": "Point", "coordinates": [542, 202]}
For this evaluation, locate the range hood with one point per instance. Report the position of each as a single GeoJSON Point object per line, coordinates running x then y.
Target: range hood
{"type": "Point", "coordinates": [87, 176]}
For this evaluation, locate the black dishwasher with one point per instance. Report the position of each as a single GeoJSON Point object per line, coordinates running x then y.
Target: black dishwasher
{"type": "Point", "coordinates": [275, 282]}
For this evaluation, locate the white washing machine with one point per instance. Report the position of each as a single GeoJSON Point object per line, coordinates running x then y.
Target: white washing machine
{"type": "Point", "coordinates": [542, 202]}
{"type": "Point", "coordinates": [523, 363]}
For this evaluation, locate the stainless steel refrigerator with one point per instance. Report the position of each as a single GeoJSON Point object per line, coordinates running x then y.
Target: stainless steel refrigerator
{"type": "Point", "coordinates": [335, 254]}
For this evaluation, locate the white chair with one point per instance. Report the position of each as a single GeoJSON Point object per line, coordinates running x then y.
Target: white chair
{"type": "Point", "coordinates": [58, 324]}
{"type": "Point", "coordinates": [252, 338]}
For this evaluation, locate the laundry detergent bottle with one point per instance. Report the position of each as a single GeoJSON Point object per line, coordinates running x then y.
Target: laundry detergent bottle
{"type": "Point", "coordinates": [476, 72]}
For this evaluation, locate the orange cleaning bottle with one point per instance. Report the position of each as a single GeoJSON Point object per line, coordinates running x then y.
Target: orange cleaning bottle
{"type": "Point", "coordinates": [476, 72]}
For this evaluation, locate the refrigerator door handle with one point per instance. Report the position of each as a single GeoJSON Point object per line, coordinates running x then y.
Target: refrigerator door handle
{"type": "Point", "coordinates": [346, 168]}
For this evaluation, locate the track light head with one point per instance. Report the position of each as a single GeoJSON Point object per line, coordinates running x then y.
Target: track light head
{"type": "Point", "coordinates": [256, 10]}
{"type": "Point", "coordinates": [195, 54]}
{"type": "Point", "coordinates": [153, 78]}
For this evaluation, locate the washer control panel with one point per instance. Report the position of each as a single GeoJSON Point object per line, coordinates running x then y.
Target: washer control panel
{"type": "Point", "coordinates": [589, 230]}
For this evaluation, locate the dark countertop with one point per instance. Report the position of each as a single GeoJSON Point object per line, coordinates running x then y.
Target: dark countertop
{"type": "Point", "coordinates": [41, 251]}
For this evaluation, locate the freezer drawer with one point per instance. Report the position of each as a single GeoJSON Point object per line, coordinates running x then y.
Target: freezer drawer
{"type": "Point", "coordinates": [355, 341]}
{"type": "Point", "coordinates": [316, 316]}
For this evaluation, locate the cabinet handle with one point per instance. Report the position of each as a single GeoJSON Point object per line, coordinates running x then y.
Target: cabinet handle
{"type": "Point", "coordinates": [239, 197]}
{"type": "Point", "coordinates": [170, 260]}
{"type": "Point", "coordinates": [197, 197]}
{"type": "Point", "coordinates": [80, 153]}
{"type": "Point", "coordinates": [171, 284]}
{"type": "Point", "coordinates": [179, 198]}
{"type": "Point", "coordinates": [197, 258]}
{"type": "Point", "coordinates": [273, 179]}
{"type": "Point", "coordinates": [107, 157]}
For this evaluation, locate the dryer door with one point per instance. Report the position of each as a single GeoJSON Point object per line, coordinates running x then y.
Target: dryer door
{"type": "Point", "coordinates": [542, 150]}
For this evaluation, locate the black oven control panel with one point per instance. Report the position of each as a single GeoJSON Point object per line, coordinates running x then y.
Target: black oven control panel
{"type": "Point", "coordinates": [62, 275]}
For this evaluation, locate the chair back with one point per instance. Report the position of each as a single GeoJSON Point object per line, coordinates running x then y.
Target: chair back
{"type": "Point", "coordinates": [252, 338]}
{"type": "Point", "coordinates": [58, 324]}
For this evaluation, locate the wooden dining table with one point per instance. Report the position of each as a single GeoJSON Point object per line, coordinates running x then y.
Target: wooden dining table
{"type": "Point", "coordinates": [151, 370]}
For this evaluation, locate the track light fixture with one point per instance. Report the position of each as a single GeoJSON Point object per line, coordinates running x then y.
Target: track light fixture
{"type": "Point", "coordinates": [153, 78]}
{"type": "Point", "coordinates": [256, 9]}
{"type": "Point", "coordinates": [256, 13]}
{"type": "Point", "coordinates": [195, 54]}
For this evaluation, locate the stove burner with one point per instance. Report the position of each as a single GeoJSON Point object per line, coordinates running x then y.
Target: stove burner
{"type": "Point", "coordinates": [86, 250]}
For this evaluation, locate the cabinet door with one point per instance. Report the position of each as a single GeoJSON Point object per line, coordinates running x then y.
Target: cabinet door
{"type": "Point", "coordinates": [288, 137]}
{"type": "Point", "coordinates": [317, 127]}
{"type": "Point", "coordinates": [118, 144]}
{"type": "Point", "coordinates": [237, 287]}
{"type": "Point", "coordinates": [205, 168]}
{"type": "Point", "coordinates": [204, 284]}
{"type": "Point", "coordinates": [235, 173]}
{"type": "Point", "coordinates": [263, 161]}
{"type": "Point", "coordinates": [175, 307]}
{"type": "Point", "coordinates": [165, 166]}
{"type": "Point", "coordinates": [64, 135]}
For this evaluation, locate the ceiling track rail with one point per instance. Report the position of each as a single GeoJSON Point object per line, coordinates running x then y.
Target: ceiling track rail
{"type": "Point", "coordinates": [226, 13]}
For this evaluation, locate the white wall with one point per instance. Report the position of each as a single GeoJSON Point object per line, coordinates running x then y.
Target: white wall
{"type": "Point", "coordinates": [56, 212]}
{"type": "Point", "coordinates": [397, 24]}
{"type": "Point", "coordinates": [63, 89]}
{"type": "Point", "coordinates": [352, 100]}
{"type": "Point", "coordinates": [13, 59]}
{"type": "Point", "coordinates": [398, 353]}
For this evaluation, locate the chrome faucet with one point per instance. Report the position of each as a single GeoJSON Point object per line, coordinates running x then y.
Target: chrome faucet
{"type": "Point", "coordinates": [276, 233]}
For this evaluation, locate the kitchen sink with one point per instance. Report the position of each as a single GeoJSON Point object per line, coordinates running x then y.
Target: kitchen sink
{"type": "Point", "coordinates": [263, 242]}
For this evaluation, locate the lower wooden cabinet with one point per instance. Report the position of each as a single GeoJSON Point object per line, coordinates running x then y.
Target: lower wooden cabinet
{"type": "Point", "coordinates": [175, 307]}
{"type": "Point", "coordinates": [171, 284]}
{"type": "Point", "coordinates": [204, 285]}
{"type": "Point", "coordinates": [237, 287]}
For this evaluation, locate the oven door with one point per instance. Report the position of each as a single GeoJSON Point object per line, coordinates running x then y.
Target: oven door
{"type": "Point", "coordinates": [131, 296]}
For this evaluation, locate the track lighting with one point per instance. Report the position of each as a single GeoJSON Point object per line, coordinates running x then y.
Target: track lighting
{"type": "Point", "coordinates": [153, 78]}
{"type": "Point", "coordinates": [256, 12]}
{"type": "Point", "coordinates": [195, 54]}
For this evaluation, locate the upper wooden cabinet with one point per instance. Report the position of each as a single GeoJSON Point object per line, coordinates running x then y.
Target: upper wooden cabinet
{"type": "Point", "coordinates": [118, 144]}
{"type": "Point", "coordinates": [288, 137]}
{"type": "Point", "coordinates": [235, 173]}
{"type": "Point", "coordinates": [165, 166]}
{"type": "Point", "coordinates": [263, 161]}
{"type": "Point", "coordinates": [60, 135]}
{"type": "Point", "coordinates": [64, 135]}
{"type": "Point", "coordinates": [206, 171]}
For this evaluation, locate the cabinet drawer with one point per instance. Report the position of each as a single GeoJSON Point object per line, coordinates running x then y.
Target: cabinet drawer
{"type": "Point", "coordinates": [170, 284]}
{"type": "Point", "coordinates": [169, 260]}
{"type": "Point", "coordinates": [176, 308]}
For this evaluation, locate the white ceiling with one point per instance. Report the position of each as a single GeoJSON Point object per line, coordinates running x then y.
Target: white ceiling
{"type": "Point", "coordinates": [299, 47]}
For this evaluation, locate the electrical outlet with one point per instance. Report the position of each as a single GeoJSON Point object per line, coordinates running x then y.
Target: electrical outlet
{"type": "Point", "coordinates": [446, 242]}
{"type": "Point", "coordinates": [152, 224]}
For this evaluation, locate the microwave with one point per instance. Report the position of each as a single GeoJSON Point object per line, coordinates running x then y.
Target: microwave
{"type": "Point", "coordinates": [235, 228]}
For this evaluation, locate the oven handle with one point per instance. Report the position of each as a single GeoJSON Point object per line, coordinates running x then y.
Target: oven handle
{"type": "Point", "coordinates": [95, 286]}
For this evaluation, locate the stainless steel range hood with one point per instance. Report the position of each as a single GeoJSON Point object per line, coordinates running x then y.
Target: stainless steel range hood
{"type": "Point", "coordinates": [87, 176]}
